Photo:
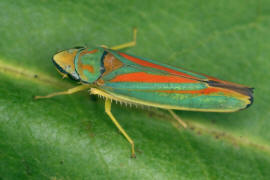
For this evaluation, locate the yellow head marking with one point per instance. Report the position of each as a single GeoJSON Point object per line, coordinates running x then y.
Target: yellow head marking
{"type": "Point", "coordinates": [64, 62]}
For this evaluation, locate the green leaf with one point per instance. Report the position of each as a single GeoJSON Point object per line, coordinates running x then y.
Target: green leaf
{"type": "Point", "coordinates": [71, 137]}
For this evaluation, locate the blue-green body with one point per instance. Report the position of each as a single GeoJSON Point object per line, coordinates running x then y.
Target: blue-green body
{"type": "Point", "coordinates": [144, 81]}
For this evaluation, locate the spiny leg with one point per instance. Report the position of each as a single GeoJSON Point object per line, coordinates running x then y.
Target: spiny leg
{"type": "Point", "coordinates": [177, 118]}
{"type": "Point", "coordinates": [69, 91]}
{"type": "Point", "coordinates": [109, 113]}
{"type": "Point", "coordinates": [129, 44]}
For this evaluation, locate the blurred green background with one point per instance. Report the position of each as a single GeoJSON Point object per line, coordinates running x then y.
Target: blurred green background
{"type": "Point", "coordinates": [71, 137]}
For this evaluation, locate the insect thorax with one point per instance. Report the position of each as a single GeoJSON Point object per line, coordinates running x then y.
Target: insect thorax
{"type": "Point", "coordinates": [88, 64]}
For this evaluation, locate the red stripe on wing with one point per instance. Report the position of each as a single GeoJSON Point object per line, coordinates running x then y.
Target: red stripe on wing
{"type": "Point", "coordinates": [206, 91]}
{"type": "Point", "coordinates": [155, 66]}
{"type": "Point", "coordinates": [150, 78]}
{"type": "Point", "coordinates": [172, 71]}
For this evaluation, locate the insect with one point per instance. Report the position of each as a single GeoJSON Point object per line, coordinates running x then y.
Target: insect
{"type": "Point", "coordinates": [118, 76]}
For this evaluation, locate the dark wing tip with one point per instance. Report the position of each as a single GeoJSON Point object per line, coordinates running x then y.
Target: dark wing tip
{"type": "Point", "coordinates": [251, 99]}
{"type": "Point", "coordinates": [251, 89]}
{"type": "Point", "coordinates": [247, 91]}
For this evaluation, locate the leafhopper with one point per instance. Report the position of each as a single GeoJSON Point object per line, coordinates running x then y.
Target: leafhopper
{"type": "Point", "coordinates": [130, 79]}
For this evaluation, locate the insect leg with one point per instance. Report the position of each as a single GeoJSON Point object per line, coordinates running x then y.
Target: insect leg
{"type": "Point", "coordinates": [177, 118]}
{"type": "Point", "coordinates": [129, 44]}
{"type": "Point", "coordinates": [109, 113]}
{"type": "Point", "coordinates": [69, 91]}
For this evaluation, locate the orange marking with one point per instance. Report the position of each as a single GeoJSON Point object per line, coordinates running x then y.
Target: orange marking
{"type": "Point", "coordinates": [151, 78]}
{"type": "Point", "coordinates": [155, 66]}
{"type": "Point", "coordinates": [111, 63]}
{"type": "Point", "coordinates": [88, 68]}
{"type": "Point", "coordinates": [88, 52]}
{"type": "Point", "coordinates": [209, 90]}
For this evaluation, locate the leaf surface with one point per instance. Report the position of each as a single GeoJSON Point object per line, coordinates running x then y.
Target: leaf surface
{"type": "Point", "coordinates": [71, 137]}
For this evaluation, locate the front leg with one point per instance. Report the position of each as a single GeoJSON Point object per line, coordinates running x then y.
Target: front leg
{"type": "Point", "coordinates": [69, 91]}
